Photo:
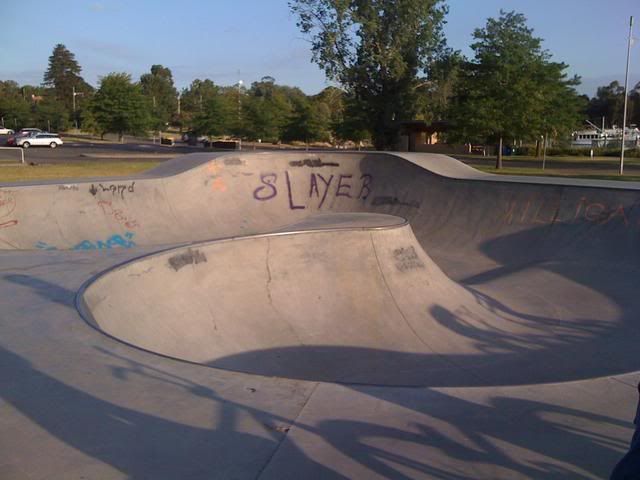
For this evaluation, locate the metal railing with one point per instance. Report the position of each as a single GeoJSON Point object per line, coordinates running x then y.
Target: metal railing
{"type": "Point", "coordinates": [16, 148]}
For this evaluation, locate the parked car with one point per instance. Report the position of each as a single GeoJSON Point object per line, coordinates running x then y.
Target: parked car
{"type": "Point", "coordinates": [24, 132]}
{"type": "Point", "coordinates": [6, 131]}
{"type": "Point", "coordinates": [43, 139]}
{"type": "Point", "coordinates": [28, 131]}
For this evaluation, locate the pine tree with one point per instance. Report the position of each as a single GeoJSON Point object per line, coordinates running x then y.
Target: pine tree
{"type": "Point", "coordinates": [63, 77]}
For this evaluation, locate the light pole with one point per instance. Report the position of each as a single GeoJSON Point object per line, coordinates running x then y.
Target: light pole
{"type": "Point", "coordinates": [626, 96]}
{"type": "Point", "coordinates": [239, 93]}
{"type": "Point", "coordinates": [75, 118]}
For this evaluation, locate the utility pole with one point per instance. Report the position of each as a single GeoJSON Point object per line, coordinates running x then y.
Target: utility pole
{"type": "Point", "coordinates": [626, 96]}
{"type": "Point", "coordinates": [75, 94]}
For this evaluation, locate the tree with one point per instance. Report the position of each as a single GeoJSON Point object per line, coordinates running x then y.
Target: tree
{"type": "Point", "coordinates": [267, 107]}
{"type": "Point", "coordinates": [380, 51]}
{"type": "Point", "coordinates": [63, 76]}
{"type": "Point", "coordinates": [192, 100]}
{"type": "Point", "coordinates": [608, 103]}
{"type": "Point", "coordinates": [436, 93]}
{"type": "Point", "coordinates": [213, 120]}
{"type": "Point", "coordinates": [49, 113]}
{"type": "Point", "coordinates": [158, 87]}
{"type": "Point", "coordinates": [15, 106]}
{"type": "Point", "coordinates": [511, 89]}
{"type": "Point", "coordinates": [119, 106]}
{"type": "Point", "coordinates": [309, 122]}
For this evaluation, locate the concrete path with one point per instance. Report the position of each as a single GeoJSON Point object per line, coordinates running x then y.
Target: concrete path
{"type": "Point", "coordinates": [320, 315]}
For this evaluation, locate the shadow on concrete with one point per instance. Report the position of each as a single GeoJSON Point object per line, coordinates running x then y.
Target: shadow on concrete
{"type": "Point", "coordinates": [141, 445]}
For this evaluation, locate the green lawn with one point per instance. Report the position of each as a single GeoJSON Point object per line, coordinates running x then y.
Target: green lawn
{"type": "Point", "coordinates": [567, 173]}
{"type": "Point", "coordinates": [614, 161]}
{"type": "Point", "coordinates": [29, 173]}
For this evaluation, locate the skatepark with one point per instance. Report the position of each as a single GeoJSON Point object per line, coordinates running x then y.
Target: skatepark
{"type": "Point", "coordinates": [282, 315]}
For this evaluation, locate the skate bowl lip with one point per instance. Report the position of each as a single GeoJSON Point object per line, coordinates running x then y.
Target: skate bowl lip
{"type": "Point", "coordinates": [393, 222]}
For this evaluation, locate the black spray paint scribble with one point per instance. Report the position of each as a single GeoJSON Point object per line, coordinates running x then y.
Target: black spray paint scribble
{"type": "Point", "coordinates": [233, 161]}
{"type": "Point", "coordinates": [406, 259]}
{"type": "Point", "coordinates": [190, 257]}
{"type": "Point", "coordinates": [114, 188]}
{"type": "Point", "coordinates": [312, 162]}
{"type": "Point", "coordinates": [394, 201]}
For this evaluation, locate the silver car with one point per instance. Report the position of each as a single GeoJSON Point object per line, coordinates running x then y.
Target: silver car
{"type": "Point", "coordinates": [43, 139]}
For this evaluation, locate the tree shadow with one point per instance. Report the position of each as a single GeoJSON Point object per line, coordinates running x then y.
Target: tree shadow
{"type": "Point", "coordinates": [138, 444]}
{"type": "Point", "coordinates": [141, 445]}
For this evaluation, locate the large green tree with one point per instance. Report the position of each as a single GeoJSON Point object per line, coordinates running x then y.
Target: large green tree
{"type": "Point", "coordinates": [15, 106]}
{"type": "Point", "coordinates": [266, 109]}
{"type": "Point", "coordinates": [193, 99]}
{"type": "Point", "coordinates": [511, 89]}
{"type": "Point", "coordinates": [380, 51]}
{"type": "Point", "coordinates": [158, 87]}
{"type": "Point", "coordinates": [119, 106]}
{"type": "Point", "coordinates": [63, 77]}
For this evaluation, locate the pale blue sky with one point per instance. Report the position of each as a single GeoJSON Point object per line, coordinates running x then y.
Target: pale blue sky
{"type": "Point", "coordinates": [216, 39]}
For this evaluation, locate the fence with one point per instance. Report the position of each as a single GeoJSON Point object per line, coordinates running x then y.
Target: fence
{"type": "Point", "coordinates": [12, 156]}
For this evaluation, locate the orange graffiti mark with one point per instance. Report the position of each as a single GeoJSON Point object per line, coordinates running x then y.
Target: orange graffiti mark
{"type": "Point", "coordinates": [218, 185]}
{"type": "Point", "coordinates": [117, 214]}
{"type": "Point", "coordinates": [7, 203]}
{"type": "Point", "coordinates": [10, 223]}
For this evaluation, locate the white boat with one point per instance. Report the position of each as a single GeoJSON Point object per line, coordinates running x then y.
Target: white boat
{"type": "Point", "coordinates": [605, 137]}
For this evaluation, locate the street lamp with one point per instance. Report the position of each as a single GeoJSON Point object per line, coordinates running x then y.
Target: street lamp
{"type": "Point", "coordinates": [75, 118]}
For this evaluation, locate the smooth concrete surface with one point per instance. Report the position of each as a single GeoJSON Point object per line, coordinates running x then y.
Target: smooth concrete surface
{"type": "Point", "coordinates": [342, 315]}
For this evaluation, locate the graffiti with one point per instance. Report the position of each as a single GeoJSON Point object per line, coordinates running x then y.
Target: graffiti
{"type": "Point", "coordinates": [10, 223]}
{"type": "Point", "coordinates": [114, 189]}
{"type": "Point", "coordinates": [7, 203]}
{"type": "Point", "coordinates": [406, 259]}
{"type": "Point", "coordinates": [538, 211]}
{"type": "Point", "coordinates": [377, 201]}
{"type": "Point", "coordinates": [312, 162]}
{"type": "Point", "coordinates": [268, 190]}
{"type": "Point", "coordinates": [75, 188]}
{"type": "Point", "coordinates": [313, 186]}
{"type": "Point", "coordinates": [290, 195]}
{"type": "Point", "coordinates": [114, 241]}
{"type": "Point", "coordinates": [117, 214]}
{"type": "Point", "coordinates": [319, 187]}
{"type": "Point", "coordinates": [218, 185]}
{"type": "Point", "coordinates": [190, 257]}
{"type": "Point", "coordinates": [45, 246]}
{"type": "Point", "coordinates": [233, 161]}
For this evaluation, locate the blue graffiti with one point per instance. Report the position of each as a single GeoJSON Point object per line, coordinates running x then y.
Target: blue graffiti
{"type": "Point", "coordinates": [114, 241]}
{"type": "Point", "coordinates": [45, 246]}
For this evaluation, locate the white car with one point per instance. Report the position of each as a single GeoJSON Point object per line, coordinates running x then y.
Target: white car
{"type": "Point", "coordinates": [44, 139]}
{"type": "Point", "coordinates": [6, 131]}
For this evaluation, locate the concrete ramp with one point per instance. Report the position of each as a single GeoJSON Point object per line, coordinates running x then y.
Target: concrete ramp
{"type": "Point", "coordinates": [348, 298]}
{"type": "Point", "coordinates": [302, 292]}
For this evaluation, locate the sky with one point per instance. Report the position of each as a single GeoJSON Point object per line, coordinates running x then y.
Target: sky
{"type": "Point", "coordinates": [243, 40]}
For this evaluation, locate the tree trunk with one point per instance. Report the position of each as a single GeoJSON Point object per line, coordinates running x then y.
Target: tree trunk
{"type": "Point", "coordinates": [499, 156]}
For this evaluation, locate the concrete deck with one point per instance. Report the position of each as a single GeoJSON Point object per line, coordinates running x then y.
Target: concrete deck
{"type": "Point", "coordinates": [322, 315]}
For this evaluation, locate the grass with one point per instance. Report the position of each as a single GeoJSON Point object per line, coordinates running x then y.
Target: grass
{"type": "Point", "coordinates": [565, 159]}
{"type": "Point", "coordinates": [566, 173]}
{"type": "Point", "coordinates": [28, 173]}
